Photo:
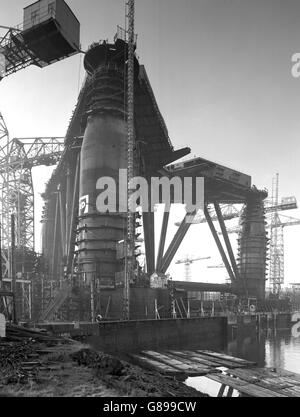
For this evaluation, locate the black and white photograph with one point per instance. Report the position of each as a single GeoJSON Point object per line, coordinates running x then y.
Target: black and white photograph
{"type": "Point", "coordinates": [149, 187]}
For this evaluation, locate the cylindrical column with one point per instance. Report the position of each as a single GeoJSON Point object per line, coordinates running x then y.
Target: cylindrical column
{"type": "Point", "coordinates": [103, 154]}
{"type": "Point", "coordinates": [253, 246]}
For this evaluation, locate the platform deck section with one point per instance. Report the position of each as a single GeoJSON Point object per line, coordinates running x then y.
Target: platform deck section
{"type": "Point", "coordinates": [230, 372]}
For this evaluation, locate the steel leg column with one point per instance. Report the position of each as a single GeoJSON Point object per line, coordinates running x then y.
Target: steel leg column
{"type": "Point", "coordinates": [227, 241]}
{"type": "Point", "coordinates": [54, 266]}
{"type": "Point", "coordinates": [71, 237]}
{"type": "Point", "coordinates": [162, 239]}
{"type": "Point", "coordinates": [62, 221]}
{"type": "Point", "coordinates": [174, 245]}
{"type": "Point", "coordinates": [148, 224]}
{"type": "Point", "coordinates": [219, 244]}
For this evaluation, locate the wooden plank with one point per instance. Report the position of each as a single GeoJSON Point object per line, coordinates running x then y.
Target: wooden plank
{"type": "Point", "coordinates": [288, 380]}
{"type": "Point", "coordinates": [227, 380]}
{"type": "Point", "coordinates": [188, 359]}
{"type": "Point", "coordinates": [191, 362]}
{"type": "Point", "coordinates": [243, 374]}
{"type": "Point", "coordinates": [263, 373]}
{"type": "Point", "coordinates": [284, 373]}
{"type": "Point", "coordinates": [291, 392]}
{"type": "Point", "coordinates": [178, 364]}
{"type": "Point", "coordinates": [272, 384]}
{"type": "Point", "coordinates": [155, 365]}
{"type": "Point", "coordinates": [227, 357]}
{"type": "Point", "coordinates": [196, 357]}
{"type": "Point", "coordinates": [245, 387]}
{"type": "Point", "coordinates": [266, 379]}
{"type": "Point", "coordinates": [218, 361]}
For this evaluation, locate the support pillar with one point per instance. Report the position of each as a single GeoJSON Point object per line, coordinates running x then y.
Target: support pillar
{"type": "Point", "coordinates": [252, 250]}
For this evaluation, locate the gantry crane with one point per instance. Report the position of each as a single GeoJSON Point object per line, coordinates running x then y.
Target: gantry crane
{"type": "Point", "coordinates": [17, 158]}
{"type": "Point", "coordinates": [42, 39]}
{"type": "Point", "coordinates": [187, 261]}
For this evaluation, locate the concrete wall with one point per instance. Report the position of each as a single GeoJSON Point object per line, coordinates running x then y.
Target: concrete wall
{"type": "Point", "coordinates": [123, 336]}
{"type": "Point", "coordinates": [158, 334]}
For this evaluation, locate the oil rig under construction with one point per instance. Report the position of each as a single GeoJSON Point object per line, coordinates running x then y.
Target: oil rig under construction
{"type": "Point", "coordinates": [89, 268]}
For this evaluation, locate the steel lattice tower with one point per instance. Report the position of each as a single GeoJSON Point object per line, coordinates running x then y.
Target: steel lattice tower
{"type": "Point", "coordinates": [276, 276]}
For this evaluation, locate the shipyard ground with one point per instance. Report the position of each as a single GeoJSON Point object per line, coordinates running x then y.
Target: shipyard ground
{"type": "Point", "coordinates": [68, 368]}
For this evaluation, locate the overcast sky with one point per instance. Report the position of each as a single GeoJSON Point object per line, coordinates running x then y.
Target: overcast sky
{"type": "Point", "coordinates": [221, 73]}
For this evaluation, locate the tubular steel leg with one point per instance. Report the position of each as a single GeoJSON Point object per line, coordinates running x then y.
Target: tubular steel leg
{"type": "Point", "coordinates": [71, 237]}
{"type": "Point", "coordinates": [162, 239]}
{"type": "Point", "coordinates": [174, 245]}
{"type": "Point", "coordinates": [219, 244]}
{"type": "Point", "coordinates": [227, 241]}
{"type": "Point", "coordinates": [55, 237]}
{"type": "Point", "coordinates": [148, 224]}
{"type": "Point", "coordinates": [69, 196]}
{"type": "Point", "coordinates": [62, 221]}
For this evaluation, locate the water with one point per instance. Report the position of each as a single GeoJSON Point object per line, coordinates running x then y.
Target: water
{"type": "Point", "coordinates": [269, 348]}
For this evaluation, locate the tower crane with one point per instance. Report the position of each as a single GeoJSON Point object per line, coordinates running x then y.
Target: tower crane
{"type": "Point", "coordinates": [187, 261]}
{"type": "Point", "coordinates": [216, 266]}
{"type": "Point", "coordinates": [277, 223]}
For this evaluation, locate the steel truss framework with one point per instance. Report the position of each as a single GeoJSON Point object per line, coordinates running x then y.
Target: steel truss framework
{"type": "Point", "coordinates": [17, 158]}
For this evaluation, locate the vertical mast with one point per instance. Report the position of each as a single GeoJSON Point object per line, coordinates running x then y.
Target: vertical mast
{"type": "Point", "coordinates": [130, 156]}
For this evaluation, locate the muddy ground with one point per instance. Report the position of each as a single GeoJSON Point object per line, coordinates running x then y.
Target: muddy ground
{"type": "Point", "coordinates": [67, 368]}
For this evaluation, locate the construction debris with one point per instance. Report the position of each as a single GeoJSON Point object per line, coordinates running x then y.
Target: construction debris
{"type": "Point", "coordinates": [18, 354]}
{"type": "Point", "coordinates": [102, 363]}
{"type": "Point", "coordinates": [34, 363]}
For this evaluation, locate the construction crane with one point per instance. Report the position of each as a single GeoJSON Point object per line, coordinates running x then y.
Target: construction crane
{"type": "Point", "coordinates": [216, 266]}
{"type": "Point", "coordinates": [42, 39]}
{"type": "Point", "coordinates": [278, 222]}
{"type": "Point", "coordinates": [48, 34]}
{"type": "Point", "coordinates": [230, 211]}
{"type": "Point", "coordinates": [17, 158]}
{"type": "Point", "coordinates": [187, 261]}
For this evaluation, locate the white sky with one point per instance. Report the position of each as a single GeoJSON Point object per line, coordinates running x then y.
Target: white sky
{"type": "Point", "coordinates": [221, 73]}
